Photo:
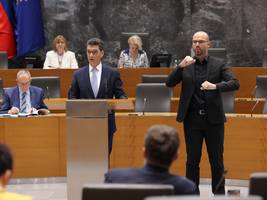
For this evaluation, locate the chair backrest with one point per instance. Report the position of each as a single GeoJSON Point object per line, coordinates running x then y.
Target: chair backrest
{"type": "Point", "coordinates": [217, 52]}
{"type": "Point", "coordinates": [32, 61]}
{"type": "Point", "coordinates": [147, 78]}
{"type": "Point", "coordinates": [1, 88]}
{"type": "Point", "coordinates": [228, 99]}
{"type": "Point", "coordinates": [161, 60]}
{"type": "Point", "coordinates": [124, 191]}
{"type": "Point", "coordinates": [3, 60]}
{"type": "Point", "coordinates": [153, 97]}
{"type": "Point", "coordinates": [264, 111]}
{"type": "Point", "coordinates": [258, 184]}
{"type": "Point", "coordinates": [195, 197]}
{"type": "Point", "coordinates": [144, 37]}
{"type": "Point", "coordinates": [50, 85]}
{"type": "Point", "coordinates": [261, 86]}
{"type": "Point", "coordinates": [264, 58]}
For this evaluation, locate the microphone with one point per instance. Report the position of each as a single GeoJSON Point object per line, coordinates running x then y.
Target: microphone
{"type": "Point", "coordinates": [253, 108]}
{"type": "Point", "coordinates": [144, 106]}
{"type": "Point", "coordinates": [220, 181]}
{"type": "Point", "coordinates": [47, 92]}
{"type": "Point", "coordinates": [253, 93]}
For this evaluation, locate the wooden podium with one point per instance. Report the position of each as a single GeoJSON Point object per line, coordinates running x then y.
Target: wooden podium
{"type": "Point", "coordinates": [87, 141]}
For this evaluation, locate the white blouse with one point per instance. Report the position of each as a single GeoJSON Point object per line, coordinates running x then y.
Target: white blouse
{"type": "Point", "coordinates": [65, 61]}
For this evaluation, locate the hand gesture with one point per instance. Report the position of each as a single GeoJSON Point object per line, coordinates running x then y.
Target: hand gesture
{"type": "Point", "coordinates": [206, 85]}
{"type": "Point", "coordinates": [188, 60]}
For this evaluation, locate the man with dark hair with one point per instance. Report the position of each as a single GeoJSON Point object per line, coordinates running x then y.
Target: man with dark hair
{"type": "Point", "coordinates": [203, 80]}
{"type": "Point", "coordinates": [97, 81]}
{"type": "Point", "coordinates": [160, 150]}
{"type": "Point", "coordinates": [6, 167]}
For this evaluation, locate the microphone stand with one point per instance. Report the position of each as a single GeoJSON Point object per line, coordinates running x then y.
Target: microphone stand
{"type": "Point", "coordinates": [144, 106]}
{"type": "Point", "coordinates": [253, 93]}
{"type": "Point", "coordinates": [253, 108]}
{"type": "Point", "coordinates": [47, 92]}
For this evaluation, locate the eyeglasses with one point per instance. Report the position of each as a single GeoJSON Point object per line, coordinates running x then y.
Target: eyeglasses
{"type": "Point", "coordinates": [199, 41]}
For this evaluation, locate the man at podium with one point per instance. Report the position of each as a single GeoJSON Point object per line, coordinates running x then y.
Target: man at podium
{"type": "Point", "coordinates": [97, 81]}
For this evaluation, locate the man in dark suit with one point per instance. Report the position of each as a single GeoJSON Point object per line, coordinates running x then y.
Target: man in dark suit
{"type": "Point", "coordinates": [160, 150]}
{"type": "Point", "coordinates": [201, 110]}
{"type": "Point", "coordinates": [97, 81]}
{"type": "Point", "coordinates": [23, 98]}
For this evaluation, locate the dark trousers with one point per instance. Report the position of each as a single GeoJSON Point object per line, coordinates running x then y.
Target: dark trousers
{"type": "Point", "coordinates": [111, 130]}
{"type": "Point", "coordinates": [196, 129]}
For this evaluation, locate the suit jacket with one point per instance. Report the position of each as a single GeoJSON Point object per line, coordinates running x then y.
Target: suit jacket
{"type": "Point", "coordinates": [110, 87]}
{"type": "Point", "coordinates": [11, 98]}
{"type": "Point", "coordinates": [218, 73]}
{"type": "Point", "coordinates": [152, 175]}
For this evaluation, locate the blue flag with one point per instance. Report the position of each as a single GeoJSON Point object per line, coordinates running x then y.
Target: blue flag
{"type": "Point", "coordinates": [29, 30]}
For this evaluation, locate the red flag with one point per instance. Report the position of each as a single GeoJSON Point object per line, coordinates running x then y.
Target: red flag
{"type": "Point", "coordinates": [7, 41]}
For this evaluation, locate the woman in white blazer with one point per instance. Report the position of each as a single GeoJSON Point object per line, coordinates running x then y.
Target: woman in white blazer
{"type": "Point", "coordinates": [60, 57]}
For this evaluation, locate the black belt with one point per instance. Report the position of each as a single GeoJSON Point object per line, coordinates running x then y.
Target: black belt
{"type": "Point", "coordinates": [199, 111]}
{"type": "Point", "coordinates": [202, 112]}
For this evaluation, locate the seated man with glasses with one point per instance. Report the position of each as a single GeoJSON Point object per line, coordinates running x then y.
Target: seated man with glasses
{"type": "Point", "coordinates": [23, 98]}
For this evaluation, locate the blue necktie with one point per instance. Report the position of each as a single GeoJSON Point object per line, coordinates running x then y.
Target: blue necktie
{"type": "Point", "coordinates": [23, 103]}
{"type": "Point", "coordinates": [94, 82]}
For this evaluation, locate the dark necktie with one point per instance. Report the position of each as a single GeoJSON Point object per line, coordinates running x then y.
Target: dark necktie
{"type": "Point", "coordinates": [23, 103]}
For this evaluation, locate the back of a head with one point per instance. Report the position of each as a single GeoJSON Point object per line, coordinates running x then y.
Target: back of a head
{"type": "Point", "coordinates": [6, 160]}
{"type": "Point", "coordinates": [161, 144]}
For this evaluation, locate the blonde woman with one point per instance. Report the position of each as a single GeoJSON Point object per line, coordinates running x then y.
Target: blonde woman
{"type": "Point", "coordinates": [134, 57]}
{"type": "Point", "coordinates": [60, 57]}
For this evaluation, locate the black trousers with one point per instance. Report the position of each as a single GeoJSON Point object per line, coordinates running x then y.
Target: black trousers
{"type": "Point", "coordinates": [196, 129]}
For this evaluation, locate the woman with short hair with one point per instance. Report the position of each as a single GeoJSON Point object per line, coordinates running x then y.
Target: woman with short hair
{"type": "Point", "coordinates": [135, 56]}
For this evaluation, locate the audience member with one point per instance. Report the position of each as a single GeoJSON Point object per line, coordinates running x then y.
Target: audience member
{"type": "Point", "coordinates": [23, 98]}
{"type": "Point", "coordinates": [134, 57]}
{"type": "Point", "coordinates": [160, 151]}
{"type": "Point", "coordinates": [60, 57]}
{"type": "Point", "coordinates": [6, 168]}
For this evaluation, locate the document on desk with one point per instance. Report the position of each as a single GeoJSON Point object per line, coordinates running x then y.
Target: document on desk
{"type": "Point", "coordinates": [9, 115]}
{"type": "Point", "coordinates": [34, 113]}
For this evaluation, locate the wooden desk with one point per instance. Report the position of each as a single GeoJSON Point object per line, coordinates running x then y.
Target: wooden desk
{"type": "Point", "coordinates": [36, 144]}
{"type": "Point", "coordinates": [39, 144]}
{"type": "Point", "coordinates": [242, 105]}
{"type": "Point", "coordinates": [131, 77]}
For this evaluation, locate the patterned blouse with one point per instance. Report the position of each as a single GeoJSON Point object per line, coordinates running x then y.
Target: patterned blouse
{"type": "Point", "coordinates": [126, 60]}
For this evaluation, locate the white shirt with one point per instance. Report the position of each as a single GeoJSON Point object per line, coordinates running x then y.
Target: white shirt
{"type": "Point", "coordinates": [55, 61]}
{"type": "Point", "coordinates": [98, 73]}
